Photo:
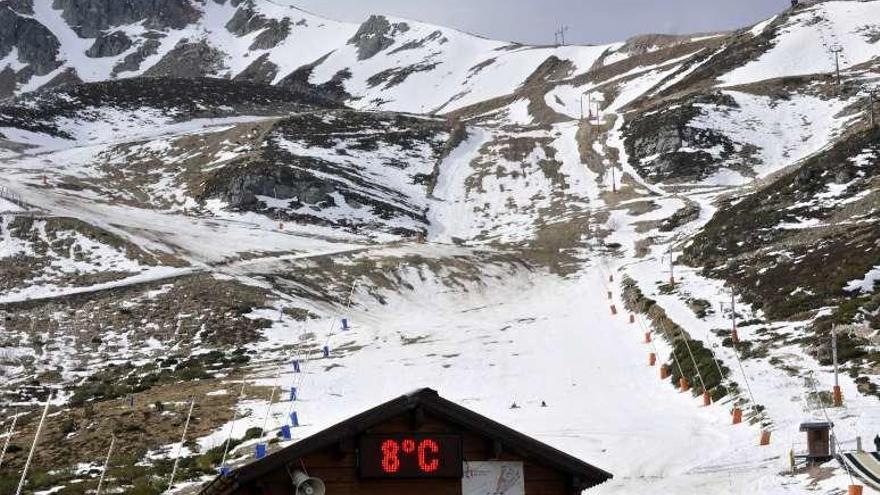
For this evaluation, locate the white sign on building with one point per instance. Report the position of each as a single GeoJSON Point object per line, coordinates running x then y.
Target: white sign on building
{"type": "Point", "coordinates": [493, 478]}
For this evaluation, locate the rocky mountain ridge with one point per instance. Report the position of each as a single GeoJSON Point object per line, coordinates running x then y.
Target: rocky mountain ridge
{"type": "Point", "coordinates": [472, 207]}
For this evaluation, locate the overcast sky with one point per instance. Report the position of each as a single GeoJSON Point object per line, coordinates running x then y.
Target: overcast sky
{"type": "Point", "coordinates": [534, 21]}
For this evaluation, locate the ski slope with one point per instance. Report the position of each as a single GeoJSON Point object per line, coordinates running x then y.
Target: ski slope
{"type": "Point", "coordinates": [529, 339]}
{"type": "Point", "coordinates": [532, 338]}
{"type": "Point", "coordinates": [803, 44]}
{"type": "Point", "coordinates": [509, 336]}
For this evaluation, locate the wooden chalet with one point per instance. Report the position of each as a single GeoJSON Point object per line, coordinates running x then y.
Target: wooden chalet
{"type": "Point", "coordinates": [419, 443]}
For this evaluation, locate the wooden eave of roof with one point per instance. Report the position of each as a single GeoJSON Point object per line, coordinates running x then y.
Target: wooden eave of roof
{"type": "Point", "coordinates": [583, 475]}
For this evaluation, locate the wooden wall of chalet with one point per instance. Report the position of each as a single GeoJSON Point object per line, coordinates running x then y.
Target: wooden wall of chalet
{"type": "Point", "coordinates": [337, 468]}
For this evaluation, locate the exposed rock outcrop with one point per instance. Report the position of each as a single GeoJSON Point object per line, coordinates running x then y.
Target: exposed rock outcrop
{"type": "Point", "coordinates": [246, 20]}
{"type": "Point", "coordinates": [132, 61]}
{"type": "Point", "coordinates": [36, 45]}
{"type": "Point", "coordinates": [239, 186]}
{"type": "Point", "coordinates": [261, 71]}
{"type": "Point", "coordinates": [109, 45]}
{"type": "Point", "coordinates": [333, 89]}
{"type": "Point", "coordinates": [189, 60]}
{"type": "Point", "coordinates": [7, 82]}
{"type": "Point", "coordinates": [21, 6]}
{"type": "Point", "coordinates": [66, 78]}
{"type": "Point", "coordinates": [663, 146]}
{"type": "Point", "coordinates": [375, 35]}
{"type": "Point", "coordinates": [92, 17]}
{"type": "Point", "coordinates": [275, 32]}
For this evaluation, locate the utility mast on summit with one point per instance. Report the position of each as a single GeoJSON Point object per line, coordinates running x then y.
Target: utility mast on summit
{"type": "Point", "coordinates": [560, 35]}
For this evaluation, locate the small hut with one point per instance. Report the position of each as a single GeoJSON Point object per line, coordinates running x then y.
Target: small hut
{"type": "Point", "coordinates": [819, 445]}
{"type": "Point", "coordinates": [419, 443]}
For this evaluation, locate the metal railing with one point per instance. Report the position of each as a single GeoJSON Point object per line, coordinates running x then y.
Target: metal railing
{"type": "Point", "coordinates": [12, 197]}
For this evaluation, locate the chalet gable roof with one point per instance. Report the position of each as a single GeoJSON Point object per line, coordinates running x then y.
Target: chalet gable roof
{"type": "Point", "coordinates": [430, 402]}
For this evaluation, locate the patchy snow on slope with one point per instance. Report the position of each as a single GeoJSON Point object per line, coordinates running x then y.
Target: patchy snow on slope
{"type": "Point", "coordinates": [580, 178]}
{"type": "Point", "coordinates": [782, 131]}
{"type": "Point", "coordinates": [518, 113]}
{"type": "Point", "coordinates": [224, 237]}
{"type": "Point", "coordinates": [628, 87]}
{"type": "Point", "coordinates": [572, 101]}
{"type": "Point", "coordinates": [378, 180]}
{"type": "Point", "coordinates": [584, 57]}
{"type": "Point", "coordinates": [64, 260]}
{"type": "Point", "coordinates": [760, 27]}
{"type": "Point", "coordinates": [12, 61]}
{"type": "Point", "coordinates": [866, 284]}
{"type": "Point", "coordinates": [427, 68]}
{"type": "Point", "coordinates": [108, 125]}
{"type": "Point", "coordinates": [99, 149]}
{"type": "Point", "coordinates": [726, 177]}
{"type": "Point", "coordinates": [544, 339]}
{"type": "Point", "coordinates": [506, 186]}
{"type": "Point", "coordinates": [72, 47]}
{"type": "Point", "coordinates": [51, 290]}
{"type": "Point", "coordinates": [8, 206]}
{"type": "Point", "coordinates": [310, 37]}
{"type": "Point", "coordinates": [451, 215]}
{"type": "Point", "coordinates": [802, 44]}
{"type": "Point", "coordinates": [10, 246]}
{"type": "Point", "coordinates": [511, 70]}
{"type": "Point", "coordinates": [686, 71]}
{"type": "Point", "coordinates": [616, 140]}
{"type": "Point", "coordinates": [616, 55]}
{"type": "Point", "coordinates": [631, 89]}
{"type": "Point", "coordinates": [391, 167]}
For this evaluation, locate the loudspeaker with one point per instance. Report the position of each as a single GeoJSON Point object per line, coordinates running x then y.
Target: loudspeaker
{"type": "Point", "coordinates": [306, 485]}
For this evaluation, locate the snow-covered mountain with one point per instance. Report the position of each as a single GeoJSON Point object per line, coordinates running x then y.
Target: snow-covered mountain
{"type": "Point", "coordinates": [194, 192]}
{"type": "Point", "coordinates": [384, 62]}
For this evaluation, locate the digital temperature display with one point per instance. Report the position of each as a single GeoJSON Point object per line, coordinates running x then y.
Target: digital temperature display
{"type": "Point", "coordinates": [410, 456]}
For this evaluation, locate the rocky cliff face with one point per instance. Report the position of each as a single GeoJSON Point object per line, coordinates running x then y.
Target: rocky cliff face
{"type": "Point", "coordinates": [312, 168]}
{"type": "Point", "coordinates": [664, 146]}
{"type": "Point", "coordinates": [240, 185]}
{"type": "Point", "coordinates": [35, 44]}
{"type": "Point", "coordinates": [248, 19]}
{"type": "Point", "coordinates": [109, 45]}
{"type": "Point", "coordinates": [90, 18]}
{"type": "Point", "coordinates": [375, 35]}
